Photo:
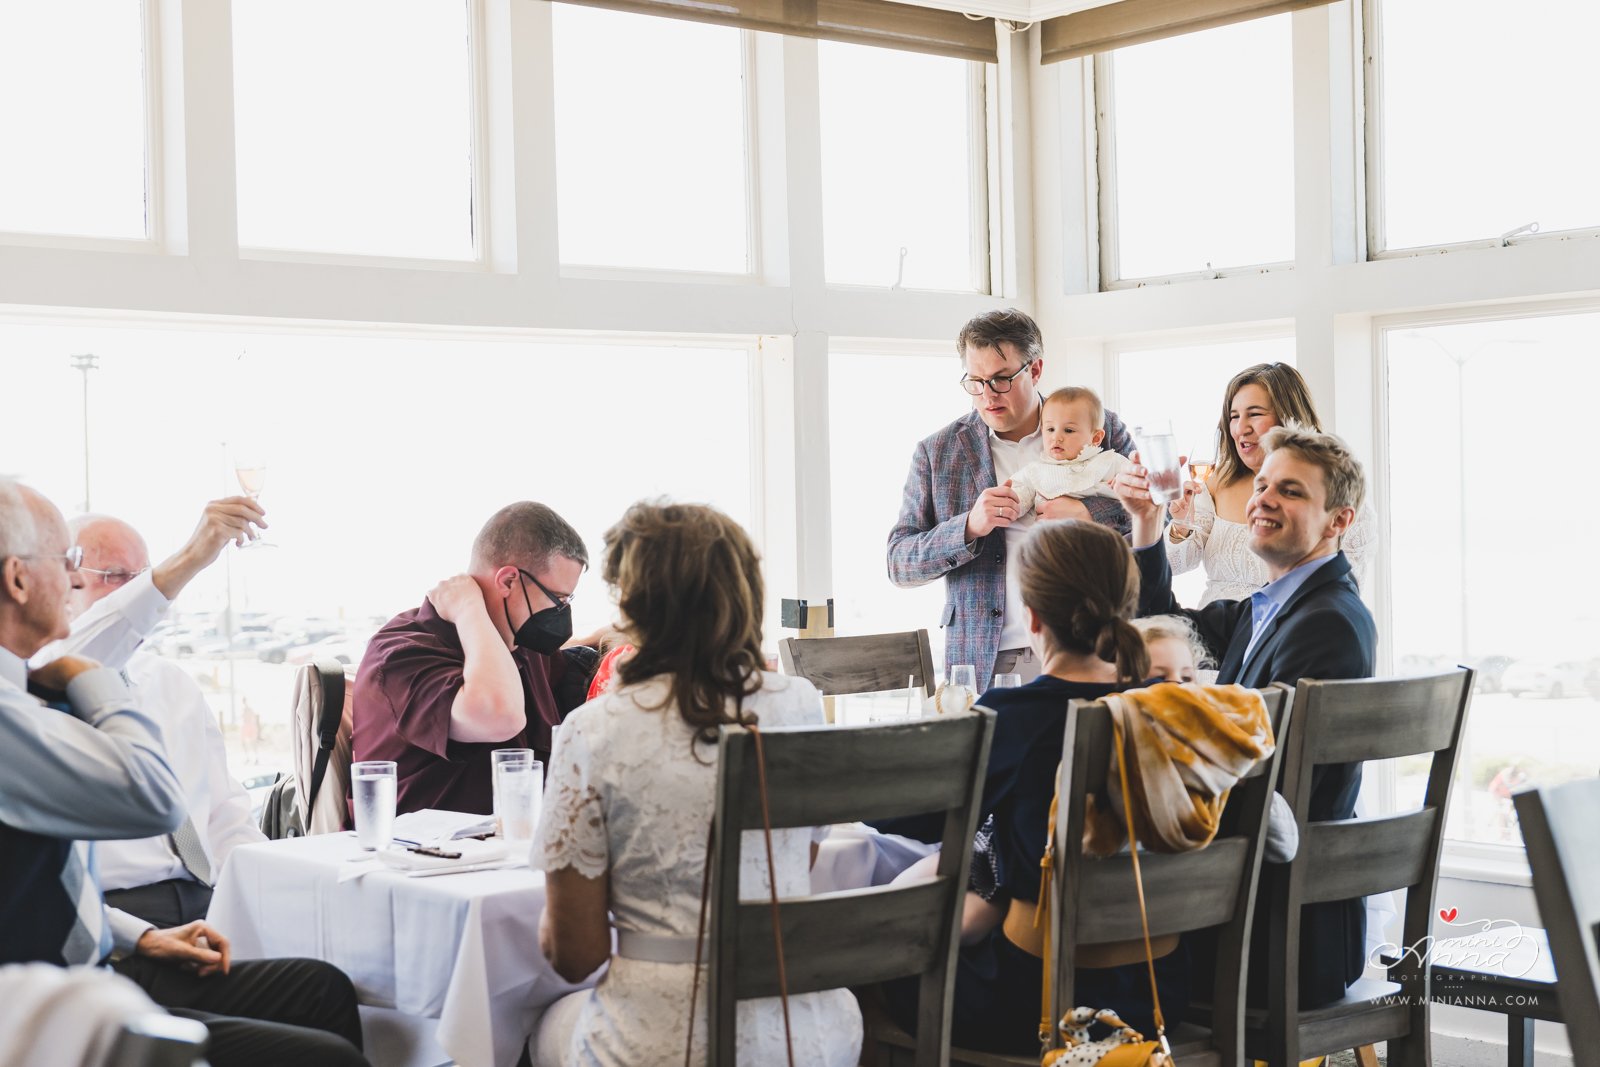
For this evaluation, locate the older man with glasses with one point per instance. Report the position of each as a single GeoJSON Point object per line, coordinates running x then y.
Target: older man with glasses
{"type": "Point", "coordinates": [86, 765]}
{"type": "Point", "coordinates": [959, 519]}
{"type": "Point", "coordinates": [167, 879]}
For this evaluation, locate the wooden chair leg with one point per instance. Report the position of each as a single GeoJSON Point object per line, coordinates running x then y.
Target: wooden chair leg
{"type": "Point", "coordinates": [1367, 1056]}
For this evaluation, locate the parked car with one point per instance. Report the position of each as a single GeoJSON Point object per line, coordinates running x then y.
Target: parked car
{"type": "Point", "coordinates": [346, 648]}
{"type": "Point", "coordinates": [1491, 672]}
{"type": "Point", "coordinates": [1568, 678]}
{"type": "Point", "coordinates": [277, 651]}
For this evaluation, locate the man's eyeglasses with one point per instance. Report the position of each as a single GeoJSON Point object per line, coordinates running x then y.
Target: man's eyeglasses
{"type": "Point", "coordinates": [1000, 383]}
{"type": "Point", "coordinates": [556, 599]}
{"type": "Point", "coordinates": [114, 578]}
{"type": "Point", "coordinates": [73, 557]}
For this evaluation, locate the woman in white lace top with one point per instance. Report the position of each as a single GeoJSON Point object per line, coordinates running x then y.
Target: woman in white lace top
{"type": "Point", "coordinates": [1217, 535]}
{"type": "Point", "coordinates": [629, 803]}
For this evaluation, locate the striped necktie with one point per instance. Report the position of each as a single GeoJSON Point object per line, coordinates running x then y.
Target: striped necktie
{"type": "Point", "coordinates": [89, 940]}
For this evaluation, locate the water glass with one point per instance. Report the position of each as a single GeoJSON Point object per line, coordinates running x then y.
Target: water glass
{"type": "Point", "coordinates": [960, 690]}
{"type": "Point", "coordinates": [518, 789]}
{"type": "Point", "coordinates": [505, 755]}
{"type": "Point", "coordinates": [373, 786]}
{"type": "Point", "coordinates": [1158, 452]}
{"type": "Point", "coordinates": [1007, 681]}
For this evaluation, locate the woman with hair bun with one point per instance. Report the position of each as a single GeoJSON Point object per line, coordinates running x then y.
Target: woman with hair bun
{"type": "Point", "coordinates": [1080, 588]}
{"type": "Point", "coordinates": [629, 802]}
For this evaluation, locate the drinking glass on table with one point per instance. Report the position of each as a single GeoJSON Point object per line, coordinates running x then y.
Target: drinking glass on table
{"type": "Point", "coordinates": [960, 690]}
{"type": "Point", "coordinates": [518, 790]}
{"type": "Point", "coordinates": [1158, 452]}
{"type": "Point", "coordinates": [372, 783]}
{"type": "Point", "coordinates": [505, 755]}
{"type": "Point", "coordinates": [1007, 681]}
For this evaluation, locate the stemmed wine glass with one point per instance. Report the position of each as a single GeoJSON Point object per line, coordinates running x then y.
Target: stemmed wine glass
{"type": "Point", "coordinates": [1202, 461]}
{"type": "Point", "coordinates": [250, 468]}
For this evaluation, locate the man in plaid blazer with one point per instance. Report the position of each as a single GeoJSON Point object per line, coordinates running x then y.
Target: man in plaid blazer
{"type": "Point", "coordinates": [958, 520]}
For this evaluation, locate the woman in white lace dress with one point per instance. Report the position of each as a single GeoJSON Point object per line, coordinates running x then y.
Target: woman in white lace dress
{"type": "Point", "coordinates": [628, 808]}
{"type": "Point", "coordinates": [1217, 536]}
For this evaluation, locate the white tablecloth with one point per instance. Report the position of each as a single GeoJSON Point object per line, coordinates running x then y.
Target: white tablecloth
{"type": "Point", "coordinates": [460, 948]}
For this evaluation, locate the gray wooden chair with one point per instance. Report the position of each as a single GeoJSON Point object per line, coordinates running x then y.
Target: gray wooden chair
{"type": "Point", "coordinates": [159, 1040]}
{"type": "Point", "coordinates": [817, 776]}
{"type": "Point", "coordinates": [1211, 889]}
{"type": "Point", "coordinates": [1354, 722]}
{"type": "Point", "coordinates": [872, 663]}
{"type": "Point", "coordinates": [1561, 830]}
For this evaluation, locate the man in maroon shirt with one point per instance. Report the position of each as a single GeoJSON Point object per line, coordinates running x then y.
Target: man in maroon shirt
{"type": "Point", "coordinates": [478, 666]}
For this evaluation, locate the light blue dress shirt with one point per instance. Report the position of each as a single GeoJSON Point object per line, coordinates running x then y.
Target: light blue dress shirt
{"type": "Point", "coordinates": [1266, 602]}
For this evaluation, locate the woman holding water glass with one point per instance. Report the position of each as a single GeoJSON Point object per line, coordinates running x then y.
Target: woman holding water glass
{"type": "Point", "coordinates": [1209, 520]}
{"type": "Point", "coordinates": [631, 792]}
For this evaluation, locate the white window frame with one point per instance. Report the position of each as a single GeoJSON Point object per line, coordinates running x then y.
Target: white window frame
{"type": "Point", "coordinates": [1377, 237]}
{"type": "Point", "coordinates": [1105, 175]}
{"type": "Point", "coordinates": [483, 204]}
{"type": "Point", "coordinates": [150, 66]}
{"type": "Point", "coordinates": [754, 271]}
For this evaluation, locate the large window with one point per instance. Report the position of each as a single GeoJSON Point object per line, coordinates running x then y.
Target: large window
{"type": "Point", "coordinates": [72, 118]}
{"type": "Point", "coordinates": [1491, 433]}
{"type": "Point", "coordinates": [870, 445]}
{"type": "Point", "coordinates": [1184, 385]}
{"type": "Point", "coordinates": [651, 156]}
{"type": "Point", "coordinates": [1197, 152]}
{"type": "Point", "coordinates": [1475, 109]}
{"type": "Point", "coordinates": [903, 167]}
{"type": "Point", "coordinates": [382, 455]}
{"type": "Point", "coordinates": [354, 126]}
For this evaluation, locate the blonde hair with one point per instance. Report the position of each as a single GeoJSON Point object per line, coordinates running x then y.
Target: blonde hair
{"type": "Point", "coordinates": [1079, 579]}
{"type": "Point", "coordinates": [1341, 471]}
{"type": "Point", "coordinates": [1071, 394]}
{"type": "Point", "coordinates": [1291, 402]}
{"type": "Point", "coordinates": [688, 583]}
{"type": "Point", "coordinates": [1176, 627]}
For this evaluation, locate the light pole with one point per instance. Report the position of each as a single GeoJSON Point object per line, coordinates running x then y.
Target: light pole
{"type": "Point", "coordinates": [85, 363]}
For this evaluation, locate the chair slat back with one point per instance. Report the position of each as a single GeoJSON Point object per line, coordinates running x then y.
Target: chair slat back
{"type": "Point", "coordinates": [821, 775]}
{"type": "Point", "coordinates": [1212, 888]}
{"type": "Point", "coordinates": [1561, 829]}
{"type": "Point", "coordinates": [1343, 722]}
{"type": "Point", "coordinates": [884, 771]}
{"type": "Point", "coordinates": [872, 663]}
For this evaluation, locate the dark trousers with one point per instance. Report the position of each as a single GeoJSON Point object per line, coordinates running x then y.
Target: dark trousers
{"type": "Point", "coordinates": [166, 904]}
{"type": "Point", "coordinates": [262, 1013]}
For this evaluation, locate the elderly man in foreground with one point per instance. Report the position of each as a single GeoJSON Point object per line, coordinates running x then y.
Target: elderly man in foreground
{"type": "Point", "coordinates": [164, 880]}
{"type": "Point", "coordinates": [85, 764]}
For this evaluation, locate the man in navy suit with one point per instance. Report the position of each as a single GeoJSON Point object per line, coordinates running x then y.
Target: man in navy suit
{"type": "Point", "coordinates": [1308, 621]}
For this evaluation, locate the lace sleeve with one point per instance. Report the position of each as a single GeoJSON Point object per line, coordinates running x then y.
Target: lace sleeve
{"type": "Point", "coordinates": [572, 826]}
{"type": "Point", "coordinates": [1359, 543]}
{"type": "Point", "coordinates": [1186, 555]}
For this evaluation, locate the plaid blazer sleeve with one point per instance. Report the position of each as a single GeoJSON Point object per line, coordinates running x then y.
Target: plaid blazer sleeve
{"type": "Point", "coordinates": [923, 545]}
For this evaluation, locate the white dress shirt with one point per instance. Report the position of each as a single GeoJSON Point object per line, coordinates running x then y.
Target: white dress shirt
{"type": "Point", "coordinates": [110, 631]}
{"type": "Point", "coordinates": [1009, 459]}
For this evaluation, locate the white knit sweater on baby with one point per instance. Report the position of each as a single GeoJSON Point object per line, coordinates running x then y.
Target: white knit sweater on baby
{"type": "Point", "coordinates": [1087, 474]}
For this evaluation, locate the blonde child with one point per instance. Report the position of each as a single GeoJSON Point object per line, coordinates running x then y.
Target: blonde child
{"type": "Point", "coordinates": [1072, 425]}
{"type": "Point", "coordinates": [1176, 652]}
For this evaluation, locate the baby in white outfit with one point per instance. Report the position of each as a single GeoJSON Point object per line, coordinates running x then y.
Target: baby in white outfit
{"type": "Point", "coordinates": [1072, 426]}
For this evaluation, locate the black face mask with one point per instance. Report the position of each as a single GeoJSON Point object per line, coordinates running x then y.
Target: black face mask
{"type": "Point", "coordinates": [544, 631]}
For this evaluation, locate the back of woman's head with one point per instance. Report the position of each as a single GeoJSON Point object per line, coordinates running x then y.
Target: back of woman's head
{"type": "Point", "coordinates": [1291, 402]}
{"type": "Point", "coordinates": [688, 583]}
{"type": "Point", "coordinates": [1080, 581]}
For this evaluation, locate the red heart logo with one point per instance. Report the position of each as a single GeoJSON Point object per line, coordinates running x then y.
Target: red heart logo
{"type": "Point", "coordinates": [1448, 915]}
